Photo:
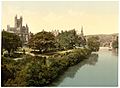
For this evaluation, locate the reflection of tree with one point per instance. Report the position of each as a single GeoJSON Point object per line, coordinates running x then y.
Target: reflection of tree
{"type": "Point", "coordinates": [92, 59]}
{"type": "Point", "coordinates": [73, 70]}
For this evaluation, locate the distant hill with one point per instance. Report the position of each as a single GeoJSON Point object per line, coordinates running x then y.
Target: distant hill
{"type": "Point", "coordinates": [105, 39]}
{"type": "Point", "coordinates": [103, 34]}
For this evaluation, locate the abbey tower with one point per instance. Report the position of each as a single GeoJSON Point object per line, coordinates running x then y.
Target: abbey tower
{"type": "Point", "coordinates": [20, 30]}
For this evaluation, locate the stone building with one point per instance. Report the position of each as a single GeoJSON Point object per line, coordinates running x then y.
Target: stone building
{"type": "Point", "coordinates": [82, 38]}
{"type": "Point", "coordinates": [20, 30]}
{"type": "Point", "coordinates": [55, 32]}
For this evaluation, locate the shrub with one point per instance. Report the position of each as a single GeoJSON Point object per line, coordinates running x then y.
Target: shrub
{"type": "Point", "coordinates": [40, 71]}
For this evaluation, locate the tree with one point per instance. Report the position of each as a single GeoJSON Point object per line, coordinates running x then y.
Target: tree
{"type": "Point", "coordinates": [67, 39]}
{"type": "Point", "coordinates": [10, 41]}
{"type": "Point", "coordinates": [93, 43]}
{"type": "Point", "coordinates": [81, 41]}
{"type": "Point", "coordinates": [5, 74]}
{"type": "Point", "coordinates": [115, 43]}
{"type": "Point", "coordinates": [8, 70]}
{"type": "Point", "coordinates": [42, 41]}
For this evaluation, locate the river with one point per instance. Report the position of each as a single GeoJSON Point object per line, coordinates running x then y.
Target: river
{"type": "Point", "coordinates": [101, 69]}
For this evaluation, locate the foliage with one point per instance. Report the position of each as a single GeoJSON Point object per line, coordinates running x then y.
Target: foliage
{"type": "Point", "coordinates": [68, 39]}
{"type": "Point", "coordinates": [115, 43]}
{"type": "Point", "coordinates": [7, 70]}
{"type": "Point", "coordinates": [42, 41]}
{"type": "Point", "coordinates": [81, 41]}
{"type": "Point", "coordinates": [39, 71]}
{"type": "Point", "coordinates": [93, 43]}
{"type": "Point", "coordinates": [39, 74]}
{"type": "Point", "coordinates": [15, 72]}
{"type": "Point", "coordinates": [10, 41]}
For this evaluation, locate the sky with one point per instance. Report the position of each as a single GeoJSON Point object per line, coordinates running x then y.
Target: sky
{"type": "Point", "coordinates": [96, 17]}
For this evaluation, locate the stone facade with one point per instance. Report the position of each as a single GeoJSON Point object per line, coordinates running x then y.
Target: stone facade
{"type": "Point", "coordinates": [82, 38]}
{"type": "Point", "coordinates": [55, 32]}
{"type": "Point", "coordinates": [20, 30]}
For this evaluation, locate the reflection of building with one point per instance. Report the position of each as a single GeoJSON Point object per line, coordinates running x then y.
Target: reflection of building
{"type": "Point", "coordinates": [20, 30]}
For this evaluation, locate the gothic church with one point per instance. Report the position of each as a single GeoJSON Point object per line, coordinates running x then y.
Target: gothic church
{"type": "Point", "coordinates": [20, 30]}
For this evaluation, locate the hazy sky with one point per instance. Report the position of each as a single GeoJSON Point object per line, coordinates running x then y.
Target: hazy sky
{"type": "Point", "coordinates": [97, 17]}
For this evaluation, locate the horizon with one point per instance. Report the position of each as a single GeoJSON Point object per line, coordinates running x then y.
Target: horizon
{"type": "Point", "coordinates": [63, 15]}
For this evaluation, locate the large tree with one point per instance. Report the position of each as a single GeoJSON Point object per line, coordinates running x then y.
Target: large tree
{"type": "Point", "coordinates": [10, 41]}
{"type": "Point", "coordinates": [93, 43]}
{"type": "Point", "coordinates": [67, 39]}
{"type": "Point", "coordinates": [42, 41]}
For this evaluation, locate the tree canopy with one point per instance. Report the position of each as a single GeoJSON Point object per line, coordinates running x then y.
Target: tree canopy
{"type": "Point", "coordinates": [68, 39]}
{"type": "Point", "coordinates": [42, 41]}
{"type": "Point", "coordinates": [93, 43]}
{"type": "Point", "coordinates": [10, 41]}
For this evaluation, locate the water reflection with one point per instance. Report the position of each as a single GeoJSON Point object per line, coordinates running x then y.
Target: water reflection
{"type": "Point", "coordinates": [92, 59]}
{"type": "Point", "coordinates": [73, 70]}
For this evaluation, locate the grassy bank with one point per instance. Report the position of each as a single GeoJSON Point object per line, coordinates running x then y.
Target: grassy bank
{"type": "Point", "coordinates": [39, 71]}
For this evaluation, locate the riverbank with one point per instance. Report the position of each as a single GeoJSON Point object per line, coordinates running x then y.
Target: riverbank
{"type": "Point", "coordinates": [39, 71]}
{"type": "Point", "coordinates": [56, 65]}
{"type": "Point", "coordinates": [99, 70]}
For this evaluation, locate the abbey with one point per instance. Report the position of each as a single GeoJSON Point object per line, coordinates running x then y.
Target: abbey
{"type": "Point", "coordinates": [20, 30]}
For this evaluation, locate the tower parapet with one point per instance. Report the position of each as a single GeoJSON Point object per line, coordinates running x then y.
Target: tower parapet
{"type": "Point", "coordinates": [18, 22]}
{"type": "Point", "coordinates": [27, 28]}
{"type": "Point", "coordinates": [82, 34]}
{"type": "Point", "coordinates": [21, 19]}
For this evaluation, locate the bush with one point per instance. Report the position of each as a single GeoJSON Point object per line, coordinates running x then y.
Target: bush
{"type": "Point", "coordinates": [14, 55]}
{"type": "Point", "coordinates": [39, 71]}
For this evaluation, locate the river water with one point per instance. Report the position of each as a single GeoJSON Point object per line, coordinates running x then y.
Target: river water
{"type": "Point", "coordinates": [101, 69]}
